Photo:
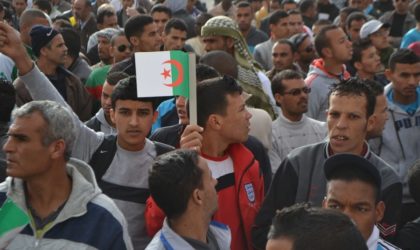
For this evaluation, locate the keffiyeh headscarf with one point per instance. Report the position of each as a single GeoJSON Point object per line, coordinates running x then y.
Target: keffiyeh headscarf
{"type": "Point", "coordinates": [224, 26]}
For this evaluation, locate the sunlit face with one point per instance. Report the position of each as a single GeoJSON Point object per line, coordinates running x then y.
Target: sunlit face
{"type": "Point", "coordinates": [405, 80]}
{"type": "Point", "coordinates": [181, 109]}
{"type": "Point", "coordinates": [281, 243]}
{"type": "Point", "coordinates": [282, 56]}
{"type": "Point", "coordinates": [293, 105]}
{"type": "Point", "coordinates": [26, 155]}
{"type": "Point", "coordinates": [347, 123]}
{"type": "Point", "coordinates": [133, 120]}
{"type": "Point", "coordinates": [104, 46]}
{"type": "Point", "coordinates": [370, 62]}
{"type": "Point", "coordinates": [295, 24]}
{"type": "Point", "coordinates": [56, 52]}
{"type": "Point", "coordinates": [340, 48]}
{"type": "Point", "coordinates": [357, 200]}
{"type": "Point", "coordinates": [216, 43]}
{"type": "Point", "coordinates": [148, 41]}
{"type": "Point", "coordinates": [160, 19]}
{"type": "Point", "coordinates": [235, 125]}
{"type": "Point", "coordinates": [106, 99]}
{"type": "Point", "coordinates": [175, 39]}
{"type": "Point", "coordinates": [121, 49]}
{"type": "Point", "coordinates": [280, 29]}
{"type": "Point", "coordinates": [379, 39]}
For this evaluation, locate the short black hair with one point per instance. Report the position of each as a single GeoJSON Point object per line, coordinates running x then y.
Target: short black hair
{"type": "Point", "coordinates": [275, 17]}
{"type": "Point", "coordinates": [287, 42]}
{"type": "Point", "coordinates": [135, 25]}
{"type": "Point", "coordinates": [72, 40]}
{"type": "Point", "coordinates": [173, 178]}
{"type": "Point", "coordinates": [161, 8]}
{"type": "Point", "coordinates": [277, 86]}
{"type": "Point", "coordinates": [44, 5]}
{"type": "Point", "coordinates": [349, 168]}
{"type": "Point", "coordinates": [375, 86]}
{"type": "Point", "coordinates": [175, 23]}
{"type": "Point", "coordinates": [205, 72]}
{"type": "Point", "coordinates": [294, 12]}
{"type": "Point", "coordinates": [322, 22]}
{"type": "Point", "coordinates": [243, 4]}
{"type": "Point", "coordinates": [105, 11]}
{"type": "Point", "coordinates": [355, 16]}
{"type": "Point", "coordinates": [358, 48]}
{"type": "Point", "coordinates": [112, 78]}
{"type": "Point", "coordinates": [305, 5]}
{"type": "Point", "coordinates": [126, 89]}
{"type": "Point", "coordinates": [284, 2]}
{"type": "Point", "coordinates": [321, 40]}
{"type": "Point", "coordinates": [229, 65]}
{"type": "Point", "coordinates": [355, 87]}
{"type": "Point", "coordinates": [414, 181]}
{"type": "Point", "coordinates": [316, 229]}
{"type": "Point", "coordinates": [212, 97]}
{"type": "Point", "coordinates": [403, 56]}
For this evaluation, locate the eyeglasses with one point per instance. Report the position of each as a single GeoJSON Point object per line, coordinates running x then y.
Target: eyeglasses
{"type": "Point", "coordinates": [296, 92]}
{"type": "Point", "coordinates": [123, 48]}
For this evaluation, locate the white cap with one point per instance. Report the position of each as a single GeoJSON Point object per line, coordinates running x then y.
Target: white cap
{"type": "Point", "coordinates": [371, 27]}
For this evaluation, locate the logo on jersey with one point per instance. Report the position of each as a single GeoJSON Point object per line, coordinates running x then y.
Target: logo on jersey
{"type": "Point", "coordinates": [250, 192]}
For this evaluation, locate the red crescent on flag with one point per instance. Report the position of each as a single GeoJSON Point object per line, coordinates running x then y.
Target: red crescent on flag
{"type": "Point", "coordinates": [180, 78]}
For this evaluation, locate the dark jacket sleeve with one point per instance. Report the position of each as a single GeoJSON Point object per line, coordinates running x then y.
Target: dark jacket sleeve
{"type": "Point", "coordinates": [392, 197]}
{"type": "Point", "coordinates": [408, 237]}
{"type": "Point", "coordinates": [282, 193]}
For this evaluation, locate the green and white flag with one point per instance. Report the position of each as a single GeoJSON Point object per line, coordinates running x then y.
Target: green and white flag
{"type": "Point", "coordinates": [164, 73]}
{"type": "Point", "coordinates": [12, 220]}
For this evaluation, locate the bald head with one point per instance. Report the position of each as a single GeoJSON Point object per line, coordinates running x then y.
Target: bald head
{"type": "Point", "coordinates": [214, 59]}
{"type": "Point", "coordinates": [30, 18]}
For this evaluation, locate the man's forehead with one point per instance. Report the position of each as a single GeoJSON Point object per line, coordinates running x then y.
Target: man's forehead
{"type": "Point", "coordinates": [405, 67]}
{"type": "Point", "coordinates": [133, 104]}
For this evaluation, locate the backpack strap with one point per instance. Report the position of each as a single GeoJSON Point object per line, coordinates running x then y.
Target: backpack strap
{"type": "Point", "coordinates": [103, 156]}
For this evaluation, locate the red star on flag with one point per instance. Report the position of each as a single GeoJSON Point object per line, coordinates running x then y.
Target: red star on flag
{"type": "Point", "coordinates": [166, 73]}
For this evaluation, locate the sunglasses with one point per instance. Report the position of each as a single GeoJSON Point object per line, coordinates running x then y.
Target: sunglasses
{"type": "Point", "coordinates": [123, 48]}
{"type": "Point", "coordinates": [296, 92]}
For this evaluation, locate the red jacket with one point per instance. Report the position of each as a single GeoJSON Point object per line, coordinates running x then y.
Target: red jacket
{"type": "Point", "coordinates": [249, 187]}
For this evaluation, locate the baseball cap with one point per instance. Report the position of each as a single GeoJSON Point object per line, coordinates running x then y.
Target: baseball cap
{"type": "Point", "coordinates": [338, 161]}
{"type": "Point", "coordinates": [40, 36]}
{"type": "Point", "coordinates": [371, 27]}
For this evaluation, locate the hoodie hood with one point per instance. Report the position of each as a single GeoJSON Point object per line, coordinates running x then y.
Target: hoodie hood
{"type": "Point", "coordinates": [318, 68]}
{"type": "Point", "coordinates": [84, 189]}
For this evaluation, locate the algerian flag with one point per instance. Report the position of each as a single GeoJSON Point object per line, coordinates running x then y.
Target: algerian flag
{"type": "Point", "coordinates": [164, 73]}
{"type": "Point", "coordinates": [12, 220]}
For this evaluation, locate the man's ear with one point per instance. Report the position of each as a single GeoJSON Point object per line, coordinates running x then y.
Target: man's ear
{"type": "Point", "coordinates": [214, 122]}
{"type": "Point", "coordinates": [155, 116]}
{"type": "Point", "coordinates": [278, 98]}
{"type": "Point", "coordinates": [197, 197]}
{"type": "Point", "coordinates": [134, 41]}
{"type": "Point", "coordinates": [57, 149]}
{"type": "Point", "coordinates": [358, 65]}
{"type": "Point", "coordinates": [112, 115]}
{"type": "Point", "coordinates": [230, 42]}
{"type": "Point", "coordinates": [388, 74]}
{"type": "Point", "coordinates": [371, 122]}
{"type": "Point", "coordinates": [380, 210]}
{"type": "Point", "coordinates": [327, 53]}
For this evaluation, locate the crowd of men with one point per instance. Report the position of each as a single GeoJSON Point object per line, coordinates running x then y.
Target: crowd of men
{"type": "Point", "coordinates": [307, 134]}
